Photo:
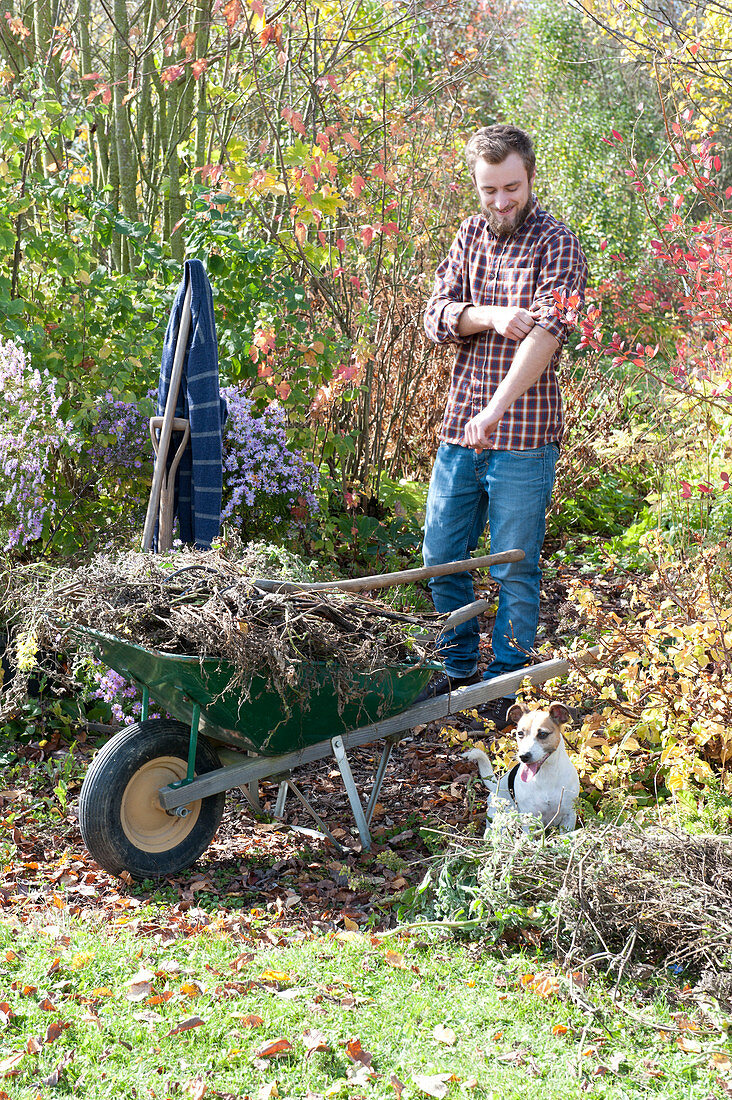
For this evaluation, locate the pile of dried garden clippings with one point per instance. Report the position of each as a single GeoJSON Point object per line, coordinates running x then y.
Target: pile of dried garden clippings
{"type": "Point", "coordinates": [614, 894]}
{"type": "Point", "coordinates": [208, 605]}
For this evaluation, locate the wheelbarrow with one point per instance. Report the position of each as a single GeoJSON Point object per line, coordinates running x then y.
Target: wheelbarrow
{"type": "Point", "coordinates": [153, 797]}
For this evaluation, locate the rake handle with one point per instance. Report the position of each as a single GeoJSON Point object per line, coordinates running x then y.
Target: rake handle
{"type": "Point", "coordinates": [388, 580]}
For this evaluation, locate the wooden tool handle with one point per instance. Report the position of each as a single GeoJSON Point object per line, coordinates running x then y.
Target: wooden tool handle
{"type": "Point", "coordinates": [388, 580]}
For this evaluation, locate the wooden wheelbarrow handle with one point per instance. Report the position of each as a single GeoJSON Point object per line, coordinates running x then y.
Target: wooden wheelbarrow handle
{"type": "Point", "coordinates": [161, 458]}
{"type": "Point", "coordinates": [388, 580]}
{"type": "Point", "coordinates": [167, 484]}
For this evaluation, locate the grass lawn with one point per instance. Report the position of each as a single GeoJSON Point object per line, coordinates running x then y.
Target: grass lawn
{"type": "Point", "coordinates": [233, 1009]}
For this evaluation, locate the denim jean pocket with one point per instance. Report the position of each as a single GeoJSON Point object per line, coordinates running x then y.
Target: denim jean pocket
{"type": "Point", "coordinates": [528, 453]}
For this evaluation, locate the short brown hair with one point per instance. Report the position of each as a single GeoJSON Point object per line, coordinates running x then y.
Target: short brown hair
{"type": "Point", "coordinates": [495, 143]}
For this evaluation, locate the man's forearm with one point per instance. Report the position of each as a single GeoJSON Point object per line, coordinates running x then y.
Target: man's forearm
{"type": "Point", "coordinates": [474, 319]}
{"type": "Point", "coordinates": [532, 357]}
{"type": "Point", "coordinates": [529, 363]}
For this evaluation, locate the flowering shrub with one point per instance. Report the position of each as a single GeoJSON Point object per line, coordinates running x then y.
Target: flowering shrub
{"type": "Point", "coordinates": [71, 480]}
{"type": "Point", "coordinates": [118, 439]}
{"type": "Point", "coordinates": [268, 485]}
{"type": "Point", "coordinates": [65, 479]}
{"type": "Point", "coordinates": [122, 696]}
{"type": "Point", "coordinates": [35, 446]}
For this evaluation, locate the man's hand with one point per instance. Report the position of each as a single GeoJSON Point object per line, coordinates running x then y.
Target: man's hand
{"type": "Point", "coordinates": [479, 430]}
{"type": "Point", "coordinates": [511, 321]}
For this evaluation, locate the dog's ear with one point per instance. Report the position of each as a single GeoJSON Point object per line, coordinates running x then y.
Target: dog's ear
{"type": "Point", "coordinates": [559, 714]}
{"type": "Point", "coordinates": [516, 713]}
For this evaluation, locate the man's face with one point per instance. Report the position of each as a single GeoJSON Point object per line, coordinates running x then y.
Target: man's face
{"type": "Point", "coordinates": [505, 194]}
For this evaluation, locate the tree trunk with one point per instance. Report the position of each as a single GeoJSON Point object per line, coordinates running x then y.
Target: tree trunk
{"type": "Point", "coordinates": [123, 145]}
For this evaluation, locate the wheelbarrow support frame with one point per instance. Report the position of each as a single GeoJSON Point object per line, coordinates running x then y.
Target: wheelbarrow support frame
{"type": "Point", "coordinates": [247, 772]}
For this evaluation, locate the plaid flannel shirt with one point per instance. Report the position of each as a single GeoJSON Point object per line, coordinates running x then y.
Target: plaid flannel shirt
{"type": "Point", "coordinates": [523, 270]}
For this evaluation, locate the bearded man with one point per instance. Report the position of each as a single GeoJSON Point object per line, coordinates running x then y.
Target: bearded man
{"type": "Point", "coordinates": [500, 436]}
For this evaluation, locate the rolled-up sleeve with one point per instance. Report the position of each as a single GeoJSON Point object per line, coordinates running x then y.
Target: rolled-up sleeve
{"type": "Point", "coordinates": [564, 270]}
{"type": "Point", "coordinates": [449, 297]}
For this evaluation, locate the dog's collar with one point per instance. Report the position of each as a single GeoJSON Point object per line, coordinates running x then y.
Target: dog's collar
{"type": "Point", "coordinates": [511, 782]}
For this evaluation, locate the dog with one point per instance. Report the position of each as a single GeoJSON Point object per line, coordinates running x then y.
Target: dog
{"type": "Point", "coordinates": [544, 782]}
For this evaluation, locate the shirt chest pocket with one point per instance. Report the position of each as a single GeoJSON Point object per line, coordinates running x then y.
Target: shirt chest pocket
{"type": "Point", "coordinates": [515, 284]}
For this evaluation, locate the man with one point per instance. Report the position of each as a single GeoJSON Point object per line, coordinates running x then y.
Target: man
{"type": "Point", "coordinates": [500, 436]}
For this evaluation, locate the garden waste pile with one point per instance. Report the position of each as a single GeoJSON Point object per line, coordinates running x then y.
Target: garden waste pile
{"type": "Point", "coordinates": [612, 895]}
{"type": "Point", "coordinates": [206, 605]}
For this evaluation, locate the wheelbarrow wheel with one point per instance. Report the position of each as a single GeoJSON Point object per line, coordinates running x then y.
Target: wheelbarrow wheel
{"type": "Point", "coordinates": [122, 822]}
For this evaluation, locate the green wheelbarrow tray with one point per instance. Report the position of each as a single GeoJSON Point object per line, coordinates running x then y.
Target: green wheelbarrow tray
{"type": "Point", "coordinates": [265, 722]}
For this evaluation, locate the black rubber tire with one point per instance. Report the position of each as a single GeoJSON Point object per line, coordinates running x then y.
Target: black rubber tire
{"type": "Point", "coordinates": [121, 821]}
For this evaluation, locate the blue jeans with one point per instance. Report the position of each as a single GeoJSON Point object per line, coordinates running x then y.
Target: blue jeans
{"type": "Point", "coordinates": [511, 490]}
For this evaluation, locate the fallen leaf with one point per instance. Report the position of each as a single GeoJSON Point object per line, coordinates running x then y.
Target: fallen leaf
{"type": "Point", "coordinates": [395, 959]}
{"type": "Point", "coordinates": [171, 967]}
{"type": "Point", "coordinates": [720, 1061]}
{"type": "Point", "coordinates": [191, 989]}
{"type": "Point", "coordinates": [314, 1041]}
{"type": "Point", "coordinates": [34, 1045]}
{"type": "Point", "coordinates": [242, 960]}
{"type": "Point", "coordinates": [187, 1025]}
{"type": "Point", "coordinates": [436, 1085]}
{"type": "Point", "coordinates": [445, 1035]}
{"type": "Point", "coordinates": [9, 1065]}
{"type": "Point", "coordinates": [267, 1091]}
{"type": "Point", "coordinates": [684, 1023]}
{"type": "Point", "coordinates": [360, 1076]}
{"type": "Point", "coordinates": [251, 1021]}
{"type": "Point", "coordinates": [689, 1046]}
{"type": "Point", "coordinates": [274, 976]}
{"type": "Point", "coordinates": [545, 985]}
{"type": "Point", "coordinates": [151, 1019]}
{"type": "Point", "coordinates": [47, 1005]}
{"type": "Point", "coordinates": [195, 1088]}
{"type": "Point", "coordinates": [350, 925]}
{"type": "Point", "coordinates": [54, 1029]}
{"type": "Point", "coordinates": [140, 986]}
{"type": "Point", "coordinates": [271, 1050]}
{"type": "Point", "coordinates": [560, 1029]}
{"type": "Point", "coordinates": [397, 1085]}
{"type": "Point", "coordinates": [292, 994]}
{"type": "Point", "coordinates": [356, 1053]}
{"type": "Point", "coordinates": [350, 936]}
{"type": "Point", "coordinates": [78, 962]}
{"type": "Point", "coordinates": [55, 1075]}
{"type": "Point", "coordinates": [651, 1069]}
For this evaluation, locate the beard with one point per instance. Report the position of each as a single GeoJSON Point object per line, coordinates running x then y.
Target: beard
{"type": "Point", "coordinates": [506, 227]}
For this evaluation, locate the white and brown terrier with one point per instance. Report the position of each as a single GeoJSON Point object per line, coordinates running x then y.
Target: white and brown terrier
{"type": "Point", "coordinates": [544, 782]}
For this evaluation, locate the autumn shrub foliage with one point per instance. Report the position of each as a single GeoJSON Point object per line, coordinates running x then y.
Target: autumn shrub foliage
{"type": "Point", "coordinates": [663, 719]}
{"type": "Point", "coordinates": [655, 715]}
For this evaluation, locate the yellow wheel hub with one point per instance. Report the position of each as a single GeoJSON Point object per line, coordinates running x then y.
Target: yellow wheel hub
{"type": "Point", "coordinates": [144, 822]}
